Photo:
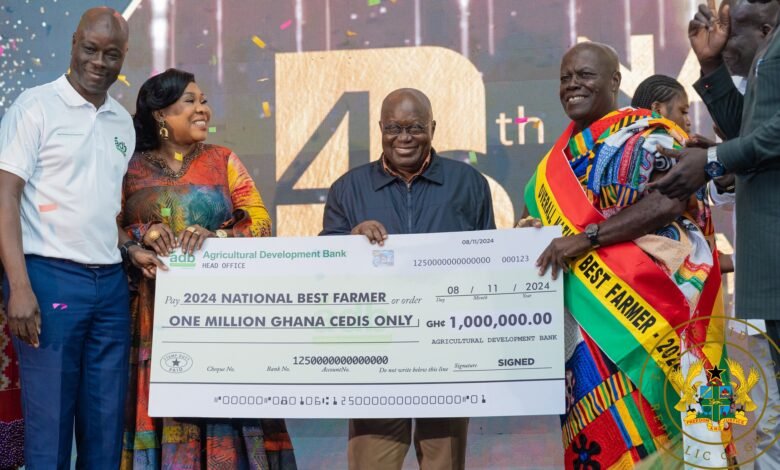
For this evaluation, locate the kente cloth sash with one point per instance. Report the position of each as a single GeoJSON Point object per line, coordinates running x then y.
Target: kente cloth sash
{"type": "Point", "coordinates": [620, 297]}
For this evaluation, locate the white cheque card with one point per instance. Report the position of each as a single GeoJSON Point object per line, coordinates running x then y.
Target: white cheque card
{"type": "Point", "coordinates": [428, 325]}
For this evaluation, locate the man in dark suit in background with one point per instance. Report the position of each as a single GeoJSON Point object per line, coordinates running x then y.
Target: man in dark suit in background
{"type": "Point", "coordinates": [751, 23]}
{"type": "Point", "coordinates": [751, 125]}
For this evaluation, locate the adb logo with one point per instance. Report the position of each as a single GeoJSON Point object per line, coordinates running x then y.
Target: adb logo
{"type": "Point", "coordinates": [181, 260]}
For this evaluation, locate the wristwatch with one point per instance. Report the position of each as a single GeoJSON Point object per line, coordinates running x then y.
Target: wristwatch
{"type": "Point", "coordinates": [714, 168]}
{"type": "Point", "coordinates": [125, 249]}
{"type": "Point", "coordinates": [592, 232]}
{"type": "Point", "coordinates": [221, 233]}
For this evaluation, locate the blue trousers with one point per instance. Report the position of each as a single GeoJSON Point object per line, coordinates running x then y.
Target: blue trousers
{"type": "Point", "coordinates": [80, 371]}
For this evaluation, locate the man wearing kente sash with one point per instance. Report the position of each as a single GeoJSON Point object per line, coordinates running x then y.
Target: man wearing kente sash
{"type": "Point", "coordinates": [636, 267]}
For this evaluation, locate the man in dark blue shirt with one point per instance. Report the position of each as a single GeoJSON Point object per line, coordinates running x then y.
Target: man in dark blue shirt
{"type": "Point", "coordinates": [409, 189]}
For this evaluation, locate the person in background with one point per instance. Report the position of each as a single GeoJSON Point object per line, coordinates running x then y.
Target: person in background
{"type": "Point", "coordinates": [735, 43]}
{"type": "Point", "coordinates": [178, 192]}
{"type": "Point", "coordinates": [665, 96]}
{"type": "Point", "coordinates": [750, 24]}
{"type": "Point", "coordinates": [752, 126]}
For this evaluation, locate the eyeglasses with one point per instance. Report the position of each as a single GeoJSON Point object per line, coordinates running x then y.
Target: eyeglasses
{"type": "Point", "coordinates": [395, 129]}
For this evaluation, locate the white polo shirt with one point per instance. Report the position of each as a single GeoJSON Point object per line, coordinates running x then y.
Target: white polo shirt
{"type": "Point", "coordinates": [72, 158]}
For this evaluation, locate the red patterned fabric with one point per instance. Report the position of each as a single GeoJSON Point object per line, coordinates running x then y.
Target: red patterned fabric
{"type": "Point", "coordinates": [11, 424]}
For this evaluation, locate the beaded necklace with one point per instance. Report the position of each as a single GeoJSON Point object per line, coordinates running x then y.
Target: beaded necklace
{"type": "Point", "coordinates": [159, 161]}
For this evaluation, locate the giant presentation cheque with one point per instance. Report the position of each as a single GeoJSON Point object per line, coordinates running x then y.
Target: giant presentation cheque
{"type": "Point", "coordinates": [433, 325]}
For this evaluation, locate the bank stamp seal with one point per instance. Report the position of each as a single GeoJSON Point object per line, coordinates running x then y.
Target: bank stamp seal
{"type": "Point", "coordinates": [718, 399]}
{"type": "Point", "coordinates": [176, 362]}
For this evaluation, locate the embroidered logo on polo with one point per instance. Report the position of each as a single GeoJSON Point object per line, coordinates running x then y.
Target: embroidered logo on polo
{"type": "Point", "coordinates": [121, 146]}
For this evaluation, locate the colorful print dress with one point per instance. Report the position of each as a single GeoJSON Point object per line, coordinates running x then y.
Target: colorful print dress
{"type": "Point", "coordinates": [214, 190]}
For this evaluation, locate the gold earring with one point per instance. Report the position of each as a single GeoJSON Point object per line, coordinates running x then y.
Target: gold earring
{"type": "Point", "coordinates": [163, 129]}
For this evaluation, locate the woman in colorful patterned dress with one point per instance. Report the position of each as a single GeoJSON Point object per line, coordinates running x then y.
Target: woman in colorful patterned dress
{"type": "Point", "coordinates": [179, 191]}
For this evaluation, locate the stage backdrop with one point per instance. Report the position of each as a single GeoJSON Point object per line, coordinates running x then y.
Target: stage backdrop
{"type": "Point", "coordinates": [296, 85]}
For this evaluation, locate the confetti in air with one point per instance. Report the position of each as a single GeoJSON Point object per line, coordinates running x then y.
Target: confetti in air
{"type": "Point", "coordinates": [178, 156]}
{"type": "Point", "coordinates": [212, 130]}
{"type": "Point", "coordinates": [285, 25]}
{"type": "Point", "coordinates": [258, 42]}
{"type": "Point", "coordinates": [165, 211]}
{"type": "Point", "coordinates": [264, 79]}
{"type": "Point", "coordinates": [47, 207]}
{"type": "Point", "coordinates": [23, 45]}
{"type": "Point", "coordinates": [473, 157]}
{"type": "Point", "coordinates": [59, 306]}
{"type": "Point", "coordinates": [351, 33]}
{"type": "Point", "coordinates": [521, 120]}
{"type": "Point", "coordinates": [266, 109]}
{"type": "Point", "coordinates": [123, 79]}
{"type": "Point", "coordinates": [372, 3]}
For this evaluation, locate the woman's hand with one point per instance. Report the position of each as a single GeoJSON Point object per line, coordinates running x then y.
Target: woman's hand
{"type": "Point", "coordinates": [160, 238]}
{"type": "Point", "coordinates": [191, 238]}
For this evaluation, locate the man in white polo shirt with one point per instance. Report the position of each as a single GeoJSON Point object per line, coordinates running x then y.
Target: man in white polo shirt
{"type": "Point", "coordinates": [64, 149]}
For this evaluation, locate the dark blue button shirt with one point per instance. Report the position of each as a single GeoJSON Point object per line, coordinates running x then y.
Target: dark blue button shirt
{"type": "Point", "coordinates": [449, 196]}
